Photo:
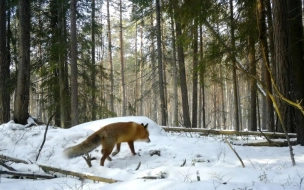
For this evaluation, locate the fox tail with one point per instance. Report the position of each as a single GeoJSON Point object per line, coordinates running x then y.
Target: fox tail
{"type": "Point", "coordinates": [86, 146]}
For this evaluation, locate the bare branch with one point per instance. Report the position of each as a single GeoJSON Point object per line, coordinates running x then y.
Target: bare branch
{"type": "Point", "coordinates": [27, 175]}
{"type": "Point", "coordinates": [44, 137]}
{"type": "Point", "coordinates": [16, 160]}
{"type": "Point", "coordinates": [138, 166]}
{"type": "Point", "coordinates": [6, 166]}
{"type": "Point", "coordinates": [80, 175]}
{"type": "Point", "coordinates": [235, 153]}
{"type": "Point", "coordinates": [183, 163]}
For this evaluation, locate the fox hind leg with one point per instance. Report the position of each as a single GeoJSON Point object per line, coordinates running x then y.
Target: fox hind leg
{"type": "Point", "coordinates": [108, 158]}
{"type": "Point", "coordinates": [106, 154]}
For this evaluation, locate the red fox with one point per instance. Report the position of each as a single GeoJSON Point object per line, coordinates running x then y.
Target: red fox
{"type": "Point", "coordinates": [109, 136]}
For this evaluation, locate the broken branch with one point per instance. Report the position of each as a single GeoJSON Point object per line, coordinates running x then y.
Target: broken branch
{"type": "Point", "coordinates": [235, 153]}
{"type": "Point", "coordinates": [80, 175]}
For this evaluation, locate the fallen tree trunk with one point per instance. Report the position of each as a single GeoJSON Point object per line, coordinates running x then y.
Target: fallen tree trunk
{"type": "Point", "coordinates": [80, 175]}
{"type": "Point", "coordinates": [272, 143]}
{"type": "Point", "coordinates": [16, 160]}
{"type": "Point", "coordinates": [2, 163]}
{"type": "Point", "coordinates": [66, 172]}
{"type": "Point", "coordinates": [27, 175]}
{"type": "Point", "coordinates": [220, 132]}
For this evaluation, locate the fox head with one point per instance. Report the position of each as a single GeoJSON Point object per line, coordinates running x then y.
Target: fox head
{"type": "Point", "coordinates": [145, 133]}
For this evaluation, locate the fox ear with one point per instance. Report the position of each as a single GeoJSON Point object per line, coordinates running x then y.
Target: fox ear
{"type": "Point", "coordinates": [145, 126]}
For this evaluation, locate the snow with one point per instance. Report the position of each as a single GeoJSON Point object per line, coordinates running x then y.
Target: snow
{"type": "Point", "coordinates": [208, 158]}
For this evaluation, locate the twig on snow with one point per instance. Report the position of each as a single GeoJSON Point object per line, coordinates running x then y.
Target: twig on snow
{"type": "Point", "coordinates": [183, 163]}
{"type": "Point", "coordinates": [138, 166]}
{"type": "Point", "coordinates": [235, 153]}
{"type": "Point", "coordinates": [44, 137]}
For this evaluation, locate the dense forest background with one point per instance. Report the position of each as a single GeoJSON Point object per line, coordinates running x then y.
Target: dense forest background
{"type": "Point", "coordinates": [209, 64]}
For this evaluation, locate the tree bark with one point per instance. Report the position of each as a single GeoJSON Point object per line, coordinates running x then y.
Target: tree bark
{"type": "Point", "coordinates": [66, 172]}
{"type": "Point", "coordinates": [223, 89]}
{"type": "Point", "coordinates": [268, 14]}
{"type": "Point", "coordinates": [74, 70]}
{"type": "Point", "coordinates": [160, 67]}
{"type": "Point", "coordinates": [93, 73]}
{"type": "Point", "coordinates": [80, 175]}
{"type": "Point", "coordinates": [154, 74]}
{"type": "Point", "coordinates": [174, 74]}
{"type": "Point", "coordinates": [253, 87]}
{"type": "Point", "coordinates": [141, 70]}
{"type": "Point", "coordinates": [264, 49]}
{"type": "Point", "coordinates": [182, 75]}
{"type": "Point", "coordinates": [283, 70]}
{"type": "Point", "coordinates": [61, 35]}
{"type": "Point", "coordinates": [195, 75]}
{"type": "Point", "coordinates": [27, 175]}
{"type": "Point", "coordinates": [136, 91]}
{"type": "Point", "coordinates": [122, 65]}
{"type": "Point", "coordinates": [4, 68]}
{"type": "Point", "coordinates": [23, 79]}
{"type": "Point", "coordinates": [110, 58]}
{"type": "Point", "coordinates": [228, 132]}
{"type": "Point", "coordinates": [202, 80]}
{"type": "Point", "coordinates": [295, 33]}
{"type": "Point", "coordinates": [234, 76]}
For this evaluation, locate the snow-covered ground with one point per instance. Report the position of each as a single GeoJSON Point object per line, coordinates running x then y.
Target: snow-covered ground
{"type": "Point", "coordinates": [210, 163]}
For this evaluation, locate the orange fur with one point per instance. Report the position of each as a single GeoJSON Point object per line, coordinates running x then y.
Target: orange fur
{"type": "Point", "coordinates": [109, 136]}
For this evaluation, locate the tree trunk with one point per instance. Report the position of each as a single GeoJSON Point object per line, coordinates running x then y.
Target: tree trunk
{"type": "Point", "coordinates": [93, 87]}
{"type": "Point", "coordinates": [110, 58]}
{"type": "Point", "coordinates": [160, 67]}
{"type": "Point", "coordinates": [267, 5]}
{"type": "Point", "coordinates": [74, 70]}
{"type": "Point", "coordinates": [154, 86]}
{"type": "Point", "coordinates": [264, 49]}
{"type": "Point", "coordinates": [283, 70]}
{"type": "Point", "coordinates": [8, 55]}
{"type": "Point", "coordinates": [122, 65]}
{"type": "Point", "coordinates": [195, 76]}
{"type": "Point", "coordinates": [174, 74]}
{"type": "Point", "coordinates": [295, 33]}
{"type": "Point", "coordinates": [63, 87]}
{"type": "Point", "coordinates": [253, 88]}
{"type": "Point", "coordinates": [23, 79]}
{"type": "Point", "coordinates": [233, 60]}
{"type": "Point", "coordinates": [183, 81]}
{"type": "Point", "coordinates": [223, 89]}
{"type": "Point", "coordinates": [202, 80]}
{"type": "Point", "coordinates": [272, 64]}
{"type": "Point", "coordinates": [4, 68]}
{"type": "Point", "coordinates": [141, 69]}
{"type": "Point", "coordinates": [135, 111]}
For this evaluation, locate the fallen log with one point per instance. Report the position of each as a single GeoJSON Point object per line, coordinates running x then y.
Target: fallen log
{"type": "Point", "coordinates": [27, 175]}
{"type": "Point", "coordinates": [221, 132]}
{"type": "Point", "coordinates": [272, 143]}
{"type": "Point", "coordinates": [66, 172]}
{"type": "Point", "coordinates": [2, 163]}
{"type": "Point", "coordinates": [80, 175]}
{"type": "Point", "coordinates": [16, 160]}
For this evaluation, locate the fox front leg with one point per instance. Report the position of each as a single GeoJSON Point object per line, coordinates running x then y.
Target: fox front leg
{"type": "Point", "coordinates": [131, 145]}
{"type": "Point", "coordinates": [117, 149]}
